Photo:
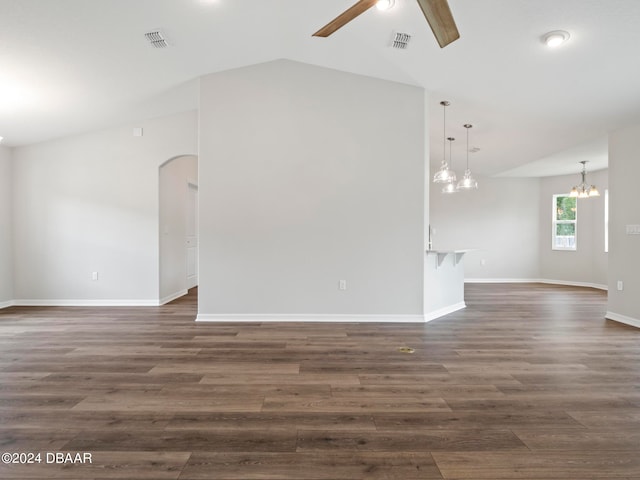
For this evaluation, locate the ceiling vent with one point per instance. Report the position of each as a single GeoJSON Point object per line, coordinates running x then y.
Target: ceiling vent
{"type": "Point", "coordinates": [400, 40]}
{"type": "Point", "coordinates": [156, 39]}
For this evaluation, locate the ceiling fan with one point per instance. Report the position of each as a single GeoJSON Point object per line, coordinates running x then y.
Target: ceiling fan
{"type": "Point", "coordinates": [437, 13]}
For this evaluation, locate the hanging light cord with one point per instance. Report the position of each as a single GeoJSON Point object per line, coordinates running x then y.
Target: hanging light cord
{"type": "Point", "coordinates": [467, 147]}
{"type": "Point", "coordinates": [444, 132]}
{"type": "Point", "coordinates": [444, 104]}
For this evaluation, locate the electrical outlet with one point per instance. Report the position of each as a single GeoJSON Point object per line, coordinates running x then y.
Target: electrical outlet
{"type": "Point", "coordinates": [94, 276]}
{"type": "Point", "coordinates": [342, 285]}
{"type": "Point", "coordinates": [620, 285]}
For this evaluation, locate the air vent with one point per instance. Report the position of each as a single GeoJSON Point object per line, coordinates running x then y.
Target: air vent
{"type": "Point", "coordinates": [156, 39]}
{"type": "Point", "coordinates": [474, 150]}
{"type": "Point", "coordinates": [400, 40]}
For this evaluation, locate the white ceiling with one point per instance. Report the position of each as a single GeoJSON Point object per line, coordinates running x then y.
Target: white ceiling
{"type": "Point", "coordinates": [68, 66]}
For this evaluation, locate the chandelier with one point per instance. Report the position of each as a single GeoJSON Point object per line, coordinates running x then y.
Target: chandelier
{"type": "Point", "coordinates": [584, 190]}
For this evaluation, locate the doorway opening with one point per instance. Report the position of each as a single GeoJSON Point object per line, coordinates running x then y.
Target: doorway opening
{"type": "Point", "coordinates": [178, 225]}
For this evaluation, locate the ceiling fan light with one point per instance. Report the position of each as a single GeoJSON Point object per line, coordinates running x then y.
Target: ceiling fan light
{"type": "Point", "coordinates": [385, 4]}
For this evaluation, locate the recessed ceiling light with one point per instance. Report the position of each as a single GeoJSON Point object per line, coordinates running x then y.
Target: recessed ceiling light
{"type": "Point", "coordinates": [385, 4]}
{"type": "Point", "coordinates": [556, 38]}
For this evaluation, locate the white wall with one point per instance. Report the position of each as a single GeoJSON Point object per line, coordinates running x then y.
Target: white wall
{"type": "Point", "coordinates": [175, 177]}
{"type": "Point", "coordinates": [6, 257]}
{"type": "Point", "coordinates": [624, 209]}
{"type": "Point", "coordinates": [89, 203]}
{"type": "Point", "coordinates": [308, 176]}
{"type": "Point", "coordinates": [443, 285]}
{"type": "Point", "coordinates": [500, 221]}
{"type": "Point", "coordinates": [588, 264]}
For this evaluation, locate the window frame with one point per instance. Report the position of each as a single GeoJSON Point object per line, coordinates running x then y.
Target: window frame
{"type": "Point", "coordinates": [555, 222]}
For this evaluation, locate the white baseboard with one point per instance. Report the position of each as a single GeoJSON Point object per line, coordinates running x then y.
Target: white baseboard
{"type": "Point", "coordinates": [84, 303]}
{"type": "Point", "coordinates": [29, 302]}
{"type": "Point", "coordinates": [575, 284]}
{"type": "Point", "coordinates": [634, 322]}
{"type": "Point", "coordinates": [501, 280]}
{"type": "Point", "coordinates": [208, 317]}
{"type": "Point", "coordinates": [537, 280]}
{"type": "Point", "coordinates": [173, 296]}
{"type": "Point", "coordinates": [443, 311]}
{"type": "Point", "coordinates": [7, 304]}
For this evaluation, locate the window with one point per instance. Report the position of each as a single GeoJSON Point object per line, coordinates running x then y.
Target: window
{"type": "Point", "coordinates": [606, 221]}
{"type": "Point", "coordinates": [565, 222]}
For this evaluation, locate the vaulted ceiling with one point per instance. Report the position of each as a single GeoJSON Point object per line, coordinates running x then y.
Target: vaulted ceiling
{"type": "Point", "coordinates": [70, 66]}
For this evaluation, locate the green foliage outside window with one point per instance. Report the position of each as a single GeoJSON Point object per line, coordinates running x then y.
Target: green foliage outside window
{"type": "Point", "coordinates": [566, 229]}
{"type": "Point", "coordinates": [565, 222]}
{"type": "Point", "coordinates": [566, 208]}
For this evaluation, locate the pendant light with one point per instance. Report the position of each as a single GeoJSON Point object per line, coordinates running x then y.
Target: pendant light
{"type": "Point", "coordinates": [467, 182]}
{"type": "Point", "coordinates": [444, 175]}
{"type": "Point", "coordinates": [450, 186]}
{"type": "Point", "coordinates": [583, 190]}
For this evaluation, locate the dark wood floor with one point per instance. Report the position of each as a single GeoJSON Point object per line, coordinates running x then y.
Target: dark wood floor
{"type": "Point", "coordinates": [528, 382]}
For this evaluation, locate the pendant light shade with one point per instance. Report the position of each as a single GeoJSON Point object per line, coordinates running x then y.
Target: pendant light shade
{"type": "Point", "coordinates": [467, 182]}
{"type": "Point", "coordinates": [584, 190]}
{"type": "Point", "coordinates": [445, 174]}
{"type": "Point", "coordinates": [450, 186]}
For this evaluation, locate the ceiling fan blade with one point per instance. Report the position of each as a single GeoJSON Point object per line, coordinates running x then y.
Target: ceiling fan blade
{"type": "Point", "coordinates": [345, 17]}
{"type": "Point", "coordinates": [438, 14]}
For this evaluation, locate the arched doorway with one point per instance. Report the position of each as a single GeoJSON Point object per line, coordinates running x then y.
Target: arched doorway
{"type": "Point", "coordinates": [178, 224]}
